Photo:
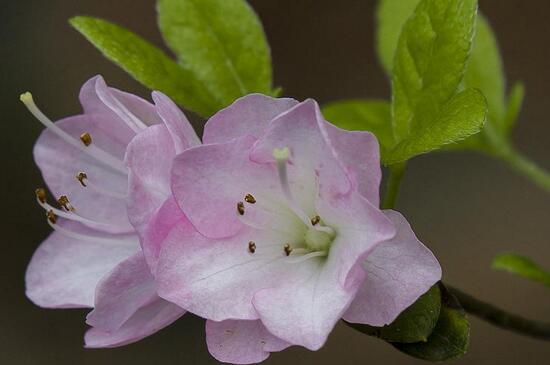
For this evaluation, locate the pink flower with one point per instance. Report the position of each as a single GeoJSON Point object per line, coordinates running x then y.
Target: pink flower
{"type": "Point", "coordinates": [274, 233]}
{"type": "Point", "coordinates": [93, 258]}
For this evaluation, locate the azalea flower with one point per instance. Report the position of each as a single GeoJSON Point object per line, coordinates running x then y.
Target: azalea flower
{"type": "Point", "coordinates": [273, 232]}
{"type": "Point", "coordinates": [93, 257]}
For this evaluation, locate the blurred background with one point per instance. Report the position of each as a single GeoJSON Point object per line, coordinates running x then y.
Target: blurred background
{"type": "Point", "coordinates": [466, 207]}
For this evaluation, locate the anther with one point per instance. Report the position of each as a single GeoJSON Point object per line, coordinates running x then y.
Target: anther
{"type": "Point", "coordinates": [287, 249]}
{"type": "Point", "coordinates": [40, 195]}
{"type": "Point", "coordinates": [86, 138]}
{"type": "Point", "coordinates": [315, 220]}
{"type": "Point", "coordinates": [64, 202]}
{"type": "Point", "coordinates": [251, 247]}
{"type": "Point", "coordinates": [51, 216]}
{"type": "Point", "coordinates": [81, 177]}
{"type": "Point", "coordinates": [249, 199]}
{"type": "Point", "coordinates": [240, 208]}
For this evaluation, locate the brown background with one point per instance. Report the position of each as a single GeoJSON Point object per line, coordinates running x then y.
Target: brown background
{"type": "Point", "coordinates": [466, 207]}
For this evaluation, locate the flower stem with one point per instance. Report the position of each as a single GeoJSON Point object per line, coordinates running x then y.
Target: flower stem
{"type": "Point", "coordinates": [527, 168]}
{"type": "Point", "coordinates": [501, 318]}
{"type": "Point", "coordinates": [396, 173]}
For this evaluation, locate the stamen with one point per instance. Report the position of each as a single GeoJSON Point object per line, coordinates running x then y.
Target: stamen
{"type": "Point", "coordinates": [86, 138]}
{"type": "Point", "coordinates": [281, 156]}
{"type": "Point", "coordinates": [40, 195]}
{"type": "Point", "coordinates": [240, 208]}
{"type": "Point", "coordinates": [251, 247]}
{"type": "Point", "coordinates": [51, 216]}
{"type": "Point", "coordinates": [249, 199]}
{"type": "Point", "coordinates": [64, 202]}
{"type": "Point", "coordinates": [81, 176]}
{"type": "Point", "coordinates": [84, 237]}
{"type": "Point", "coordinates": [91, 150]}
{"type": "Point", "coordinates": [315, 220]}
{"type": "Point", "coordinates": [287, 249]}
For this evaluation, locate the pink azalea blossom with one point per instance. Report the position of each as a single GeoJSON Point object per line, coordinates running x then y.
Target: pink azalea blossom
{"type": "Point", "coordinates": [273, 232]}
{"type": "Point", "coordinates": [93, 258]}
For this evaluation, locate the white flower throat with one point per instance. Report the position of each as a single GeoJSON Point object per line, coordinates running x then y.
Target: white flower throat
{"type": "Point", "coordinates": [308, 236]}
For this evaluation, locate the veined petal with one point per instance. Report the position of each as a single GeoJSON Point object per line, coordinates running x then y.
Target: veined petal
{"type": "Point", "coordinates": [209, 180]}
{"type": "Point", "coordinates": [121, 293]}
{"type": "Point", "coordinates": [64, 272]}
{"type": "Point", "coordinates": [248, 115]}
{"type": "Point", "coordinates": [398, 272]}
{"type": "Point", "coordinates": [145, 322]}
{"type": "Point", "coordinates": [241, 342]}
{"type": "Point", "coordinates": [217, 279]}
{"type": "Point", "coordinates": [149, 159]}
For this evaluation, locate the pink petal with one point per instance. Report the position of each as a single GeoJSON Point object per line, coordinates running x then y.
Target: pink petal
{"type": "Point", "coordinates": [157, 229]}
{"type": "Point", "coordinates": [149, 159]}
{"type": "Point", "coordinates": [121, 293]}
{"type": "Point", "coordinates": [208, 181]}
{"type": "Point", "coordinates": [398, 273]}
{"type": "Point", "coordinates": [360, 154]}
{"type": "Point", "coordinates": [303, 130]}
{"type": "Point", "coordinates": [217, 279]}
{"type": "Point", "coordinates": [249, 115]}
{"type": "Point", "coordinates": [241, 342]}
{"type": "Point", "coordinates": [321, 296]}
{"type": "Point", "coordinates": [60, 162]}
{"type": "Point", "coordinates": [145, 322]}
{"type": "Point", "coordinates": [64, 272]}
{"type": "Point", "coordinates": [182, 132]}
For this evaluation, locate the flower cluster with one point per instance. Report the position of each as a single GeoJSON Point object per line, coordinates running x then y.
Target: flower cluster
{"type": "Point", "coordinates": [269, 228]}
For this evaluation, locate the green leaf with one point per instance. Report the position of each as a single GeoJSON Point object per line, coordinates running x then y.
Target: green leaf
{"type": "Point", "coordinates": [146, 63]}
{"type": "Point", "coordinates": [363, 115]}
{"type": "Point", "coordinates": [391, 15]}
{"type": "Point", "coordinates": [515, 101]}
{"type": "Point", "coordinates": [450, 338]}
{"type": "Point", "coordinates": [414, 324]}
{"type": "Point", "coordinates": [521, 266]}
{"type": "Point", "coordinates": [430, 61]}
{"type": "Point", "coordinates": [463, 116]}
{"type": "Point", "coordinates": [485, 71]}
{"type": "Point", "coordinates": [221, 41]}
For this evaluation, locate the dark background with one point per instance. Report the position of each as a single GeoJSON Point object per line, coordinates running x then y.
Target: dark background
{"type": "Point", "coordinates": [466, 207]}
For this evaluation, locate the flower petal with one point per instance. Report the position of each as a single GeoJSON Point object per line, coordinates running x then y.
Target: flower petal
{"type": "Point", "coordinates": [208, 181]}
{"type": "Point", "coordinates": [121, 293]}
{"type": "Point", "coordinates": [398, 273]}
{"type": "Point", "coordinates": [217, 279]}
{"type": "Point", "coordinates": [303, 130]}
{"type": "Point", "coordinates": [64, 272]}
{"type": "Point", "coordinates": [178, 125]}
{"type": "Point", "coordinates": [149, 159]}
{"type": "Point", "coordinates": [249, 115]}
{"type": "Point", "coordinates": [360, 154]}
{"type": "Point", "coordinates": [60, 162]}
{"type": "Point", "coordinates": [145, 322]}
{"type": "Point", "coordinates": [241, 342]}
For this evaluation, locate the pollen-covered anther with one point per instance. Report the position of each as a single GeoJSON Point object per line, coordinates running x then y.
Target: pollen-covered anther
{"type": "Point", "coordinates": [251, 247]}
{"type": "Point", "coordinates": [64, 202]}
{"type": "Point", "coordinates": [81, 177]}
{"type": "Point", "coordinates": [315, 220]}
{"type": "Point", "coordinates": [86, 138]}
{"type": "Point", "coordinates": [40, 195]}
{"type": "Point", "coordinates": [51, 216]}
{"type": "Point", "coordinates": [240, 208]}
{"type": "Point", "coordinates": [287, 249]}
{"type": "Point", "coordinates": [249, 198]}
